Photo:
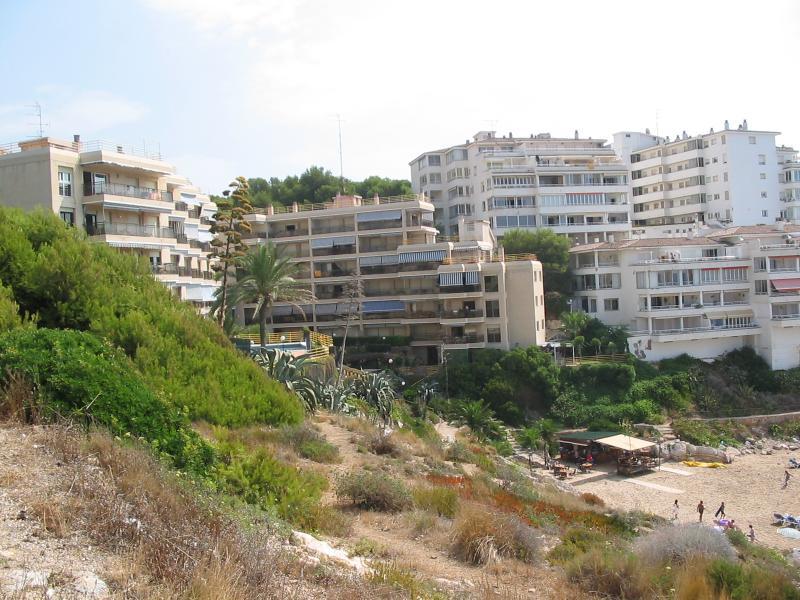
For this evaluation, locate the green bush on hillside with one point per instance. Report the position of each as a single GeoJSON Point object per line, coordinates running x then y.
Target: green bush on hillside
{"type": "Point", "coordinates": [79, 376]}
{"type": "Point", "coordinates": [65, 282]}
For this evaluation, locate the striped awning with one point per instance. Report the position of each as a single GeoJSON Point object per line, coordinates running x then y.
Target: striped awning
{"type": "Point", "coordinates": [376, 306]}
{"type": "Point", "coordinates": [450, 279]}
{"type": "Point", "coordinates": [471, 278]}
{"type": "Point", "coordinates": [425, 256]}
{"type": "Point", "coordinates": [145, 245]}
{"type": "Point", "coordinates": [371, 261]}
{"type": "Point", "coordinates": [786, 285]}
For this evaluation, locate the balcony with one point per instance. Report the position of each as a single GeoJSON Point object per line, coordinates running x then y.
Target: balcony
{"type": "Point", "coordinates": [791, 320]}
{"type": "Point", "coordinates": [285, 233]}
{"type": "Point", "coordinates": [127, 191]}
{"type": "Point", "coordinates": [708, 332]}
{"type": "Point", "coordinates": [464, 340]}
{"type": "Point", "coordinates": [342, 228]}
{"type": "Point", "coordinates": [668, 261]}
{"type": "Point", "coordinates": [130, 230]}
{"type": "Point", "coordinates": [173, 269]}
{"type": "Point", "coordinates": [385, 224]}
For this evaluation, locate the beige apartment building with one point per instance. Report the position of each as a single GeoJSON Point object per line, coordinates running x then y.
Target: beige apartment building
{"type": "Point", "coordinates": [703, 295]}
{"type": "Point", "coordinates": [452, 293]}
{"type": "Point", "coordinates": [125, 197]}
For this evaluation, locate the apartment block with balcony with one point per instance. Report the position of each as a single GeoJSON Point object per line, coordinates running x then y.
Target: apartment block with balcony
{"type": "Point", "coordinates": [575, 186]}
{"type": "Point", "coordinates": [128, 198]}
{"type": "Point", "coordinates": [445, 294]}
{"type": "Point", "coordinates": [733, 175]}
{"type": "Point", "coordinates": [702, 295]}
{"type": "Point", "coordinates": [789, 181]}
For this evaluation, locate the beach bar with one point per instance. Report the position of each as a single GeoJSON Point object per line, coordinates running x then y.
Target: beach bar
{"type": "Point", "coordinates": [632, 455]}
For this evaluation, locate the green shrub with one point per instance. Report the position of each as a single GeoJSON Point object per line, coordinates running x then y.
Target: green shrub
{"type": "Point", "coordinates": [574, 542]}
{"type": "Point", "coordinates": [65, 282]}
{"type": "Point", "coordinates": [78, 376]}
{"type": "Point", "coordinates": [9, 311]}
{"type": "Point", "coordinates": [458, 452]}
{"type": "Point", "coordinates": [608, 572]}
{"type": "Point", "coordinates": [709, 433]}
{"type": "Point", "coordinates": [739, 581]}
{"type": "Point", "coordinates": [374, 490]}
{"type": "Point", "coordinates": [440, 500]}
{"type": "Point", "coordinates": [309, 443]}
{"type": "Point", "coordinates": [264, 481]}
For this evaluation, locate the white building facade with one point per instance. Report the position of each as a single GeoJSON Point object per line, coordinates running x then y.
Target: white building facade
{"type": "Point", "coordinates": [128, 198]}
{"type": "Point", "coordinates": [575, 186]}
{"type": "Point", "coordinates": [731, 176]}
{"type": "Point", "coordinates": [703, 295]}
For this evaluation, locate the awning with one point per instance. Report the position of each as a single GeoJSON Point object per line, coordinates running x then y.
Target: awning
{"type": "Point", "coordinates": [786, 285]}
{"type": "Point", "coordinates": [284, 310]}
{"type": "Point", "coordinates": [471, 278]}
{"type": "Point", "coordinates": [376, 306]}
{"type": "Point", "coordinates": [381, 215]}
{"type": "Point", "coordinates": [334, 241]}
{"type": "Point", "coordinates": [371, 261]}
{"type": "Point", "coordinates": [334, 309]}
{"type": "Point", "coordinates": [190, 199]}
{"type": "Point", "coordinates": [733, 311]}
{"type": "Point", "coordinates": [425, 256]}
{"type": "Point", "coordinates": [625, 442]}
{"type": "Point", "coordinates": [450, 279]}
{"type": "Point", "coordinates": [144, 245]}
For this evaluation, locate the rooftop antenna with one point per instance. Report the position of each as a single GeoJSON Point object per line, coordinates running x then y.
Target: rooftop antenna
{"type": "Point", "coordinates": [37, 112]}
{"type": "Point", "coordinates": [657, 112]}
{"type": "Point", "coordinates": [341, 168]}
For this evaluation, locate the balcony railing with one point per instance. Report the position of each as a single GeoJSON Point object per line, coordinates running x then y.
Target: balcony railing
{"type": "Point", "coordinates": [693, 329]}
{"type": "Point", "coordinates": [173, 269]}
{"type": "Point", "coordinates": [694, 305]}
{"type": "Point", "coordinates": [785, 317]}
{"type": "Point", "coordinates": [128, 191]}
{"type": "Point", "coordinates": [315, 229]}
{"type": "Point", "coordinates": [129, 229]}
{"type": "Point", "coordinates": [664, 261]}
{"type": "Point", "coordinates": [286, 233]}
{"type": "Point", "coordinates": [464, 339]}
{"type": "Point", "coordinates": [462, 313]}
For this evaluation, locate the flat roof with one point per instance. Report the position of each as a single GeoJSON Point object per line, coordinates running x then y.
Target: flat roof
{"type": "Point", "coordinates": [586, 436]}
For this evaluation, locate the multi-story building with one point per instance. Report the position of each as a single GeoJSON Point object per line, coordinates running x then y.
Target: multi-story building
{"type": "Point", "coordinates": [576, 186]}
{"type": "Point", "coordinates": [127, 198]}
{"type": "Point", "coordinates": [719, 178]}
{"type": "Point", "coordinates": [377, 264]}
{"type": "Point", "coordinates": [789, 179]}
{"type": "Point", "coordinates": [702, 295]}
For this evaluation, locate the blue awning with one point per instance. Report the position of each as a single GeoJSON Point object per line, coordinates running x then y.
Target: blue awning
{"type": "Point", "coordinates": [371, 261]}
{"type": "Point", "coordinates": [381, 215]}
{"type": "Point", "coordinates": [425, 256]}
{"type": "Point", "coordinates": [471, 278]}
{"type": "Point", "coordinates": [376, 306]}
{"type": "Point", "coordinates": [455, 278]}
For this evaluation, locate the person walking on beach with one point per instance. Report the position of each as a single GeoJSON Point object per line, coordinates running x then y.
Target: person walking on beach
{"type": "Point", "coordinates": [720, 511]}
{"type": "Point", "coordinates": [675, 510]}
{"type": "Point", "coordinates": [701, 508]}
{"type": "Point", "coordinates": [751, 533]}
{"type": "Point", "coordinates": [786, 477]}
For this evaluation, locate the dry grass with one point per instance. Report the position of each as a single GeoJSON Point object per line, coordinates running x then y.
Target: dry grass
{"type": "Point", "coordinates": [54, 515]}
{"type": "Point", "coordinates": [481, 536]}
{"type": "Point", "coordinates": [19, 402]}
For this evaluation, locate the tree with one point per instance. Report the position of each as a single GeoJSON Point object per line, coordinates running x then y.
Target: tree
{"type": "Point", "coordinates": [612, 347]}
{"type": "Point", "coordinates": [229, 224]}
{"type": "Point", "coordinates": [573, 323]}
{"type": "Point", "coordinates": [597, 344]}
{"type": "Point", "coordinates": [266, 277]}
{"type": "Point", "coordinates": [552, 250]}
{"type": "Point", "coordinates": [480, 419]}
{"type": "Point", "coordinates": [579, 341]}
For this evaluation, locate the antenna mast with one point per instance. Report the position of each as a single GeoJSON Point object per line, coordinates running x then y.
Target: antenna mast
{"type": "Point", "coordinates": [37, 112]}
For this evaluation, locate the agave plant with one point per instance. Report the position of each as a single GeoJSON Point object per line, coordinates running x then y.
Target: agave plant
{"type": "Point", "coordinates": [318, 393]}
{"type": "Point", "coordinates": [377, 391]}
{"type": "Point", "coordinates": [286, 368]}
{"type": "Point", "coordinates": [426, 392]}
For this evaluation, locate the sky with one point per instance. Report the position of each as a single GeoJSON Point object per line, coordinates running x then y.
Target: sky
{"type": "Point", "coordinates": [253, 87]}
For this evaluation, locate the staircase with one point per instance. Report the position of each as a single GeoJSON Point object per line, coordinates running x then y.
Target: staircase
{"type": "Point", "coordinates": [665, 432]}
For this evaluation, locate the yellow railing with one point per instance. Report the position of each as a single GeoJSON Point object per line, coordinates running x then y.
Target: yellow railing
{"type": "Point", "coordinates": [354, 373]}
{"type": "Point", "coordinates": [321, 339]}
{"type": "Point", "coordinates": [600, 358]}
{"type": "Point", "coordinates": [274, 338]}
{"type": "Point", "coordinates": [317, 353]}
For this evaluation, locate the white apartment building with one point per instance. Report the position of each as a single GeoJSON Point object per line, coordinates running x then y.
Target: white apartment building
{"type": "Point", "coordinates": [702, 295]}
{"type": "Point", "coordinates": [128, 198]}
{"type": "Point", "coordinates": [731, 176]}
{"type": "Point", "coordinates": [444, 295]}
{"type": "Point", "coordinates": [789, 180]}
{"type": "Point", "coordinates": [576, 186]}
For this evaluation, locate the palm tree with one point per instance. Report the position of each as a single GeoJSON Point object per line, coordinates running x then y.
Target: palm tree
{"type": "Point", "coordinates": [479, 417]}
{"type": "Point", "coordinates": [597, 344]}
{"type": "Point", "coordinates": [266, 277]}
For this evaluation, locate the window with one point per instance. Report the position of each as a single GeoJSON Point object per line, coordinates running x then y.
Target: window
{"type": "Point", "coordinates": [589, 305]}
{"type": "Point", "coordinates": [493, 335]}
{"type": "Point", "coordinates": [611, 304]}
{"type": "Point", "coordinates": [434, 160]}
{"type": "Point", "coordinates": [734, 274]}
{"type": "Point", "coordinates": [762, 175]}
{"type": "Point", "coordinates": [490, 283]}
{"type": "Point", "coordinates": [492, 308]}
{"type": "Point", "coordinates": [764, 213]}
{"type": "Point", "coordinates": [68, 216]}
{"type": "Point", "coordinates": [456, 154]}
{"type": "Point", "coordinates": [760, 264]}
{"type": "Point", "coordinates": [64, 181]}
{"type": "Point", "coordinates": [763, 194]}
{"type": "Point", "coordinates": [751, 139]}
{"type": "Point", "coordinates": [435, 178]}
{"type": "Point", "coordinates": [724, 176]}
{"type": "Point", "coordinates": [761, 286]}
{"type": "Point", "coordinates": [762, 159]}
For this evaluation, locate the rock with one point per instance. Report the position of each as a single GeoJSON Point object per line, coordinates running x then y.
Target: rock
{"type": "Point", "coordinates": [764, 452]}
{"type": "Point", "coordinates": [325, 550]}
{"type": "Point", "coordinates": [90, 585]}
{"type": "Point", "coordinates": [17, 581]}
{"type": "Point", "coordinates": [792, 447]}
{"type": "Point", "coordinates": [759, 445]}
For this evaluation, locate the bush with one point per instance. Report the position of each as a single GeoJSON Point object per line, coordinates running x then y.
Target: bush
{"type": "Point", "coordinates": [309, 443]}
{"type": "Point", "coordinates": [481, 536]}
{"type": "Point", "coordinates": [78, 376]}
{"type": "Point", "coordinates": [375, 491]}
{"type": "Point", "coordinates": [608, 572]}
{"type": "Point", "coordinates": [592, 499]}
{"type": "Point", "coordinates": [384, 445]}
{"type": "Point", "coordinates": [262, 480]}
{"type": "Point", "coordinates": [59, 278]}
{"type": "Point", "coordinates": [709, 433]}
{"type": "Point", "coordinates": [440, 500]}
{"type": "Point", "coordinates": [739, 581]}
{"type": "Point", "coordinates": [680, 543]}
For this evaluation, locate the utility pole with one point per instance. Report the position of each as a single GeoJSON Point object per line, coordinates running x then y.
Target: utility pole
{"type": "Point", "coordinates": [341, 161]}
{"type": "Point", "coordinates": [37, 112]}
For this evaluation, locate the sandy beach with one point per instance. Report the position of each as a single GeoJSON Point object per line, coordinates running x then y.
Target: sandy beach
{"type": "Point", "coordinates": [750, 488]}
